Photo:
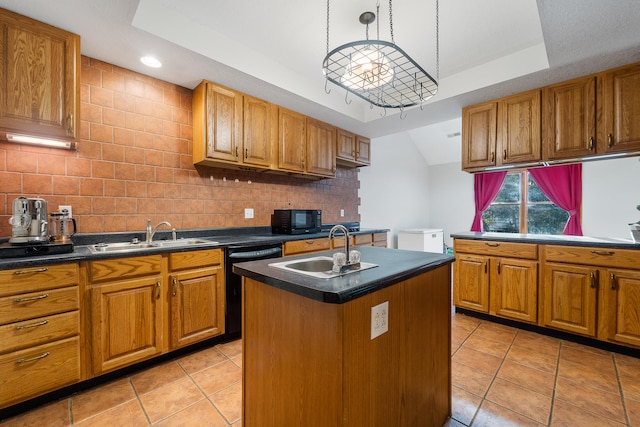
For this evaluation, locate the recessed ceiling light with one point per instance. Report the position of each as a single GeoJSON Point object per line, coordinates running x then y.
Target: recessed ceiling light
{"type": "Point", "coordinates": [150, 61]}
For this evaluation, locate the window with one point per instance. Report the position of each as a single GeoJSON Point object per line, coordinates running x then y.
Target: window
{"type": "Point", "coordinates": [521, 207]}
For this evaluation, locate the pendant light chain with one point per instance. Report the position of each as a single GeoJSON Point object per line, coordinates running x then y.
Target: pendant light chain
{"type": "Point", "coordinates": [391, 21]}
{"type": "Point", "coordinates": [328, 27]}
{"type": "Point", "coordinates": [437, 42]}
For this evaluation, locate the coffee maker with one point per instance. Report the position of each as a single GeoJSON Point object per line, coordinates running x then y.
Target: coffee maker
{"type": "Point", "coordinates": [29, 221]}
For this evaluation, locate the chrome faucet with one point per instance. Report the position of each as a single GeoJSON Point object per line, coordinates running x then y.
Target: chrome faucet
{"type": "Point", "coordinates": [152, 231]}
{"type": "Point", "coordinates": [346, 238]}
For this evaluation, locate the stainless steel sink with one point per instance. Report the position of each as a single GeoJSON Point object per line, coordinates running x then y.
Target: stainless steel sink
{"type": "Point", "coordinates": [318, 266]}
{"type": "Point", "coordinates": [137, 246]}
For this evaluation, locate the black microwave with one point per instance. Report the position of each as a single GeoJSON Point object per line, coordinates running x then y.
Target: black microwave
{"type": "Point", "coordinates": [296, 221]}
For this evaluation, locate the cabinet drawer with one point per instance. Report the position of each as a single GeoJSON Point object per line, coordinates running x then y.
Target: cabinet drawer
{"type": "Point", "coordinates": [122, 268]}
{"type": "Point", "coordinates": [31, 279]}
{"type": "Point", "coordinates": [14, 336]}
{"type": "Point", "coordinates": [505, 249]}
{"type": "Point", "coordinates": [380, 237]}
{"type": "Point", "coordinates": [602, 257]}
{"type": "Point", "coordinates": [194, 259]}
{"type": "Point", "coordinates": [37, 304]}
{"type": "Point", "coordinates": [303, 246]}
{"type": "Point", "coordinates": [38, 370]}
{"type": "Point", "coordinates": [362, 240]}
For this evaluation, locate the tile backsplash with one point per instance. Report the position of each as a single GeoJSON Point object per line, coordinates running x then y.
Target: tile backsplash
{"type": "Point", "coordinates": [134, 162]}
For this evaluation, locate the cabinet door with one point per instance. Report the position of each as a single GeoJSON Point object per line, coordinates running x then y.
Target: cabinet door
{"type": "Point", "coordinates": [321, 148]}
{"type": "Point", "coordinates": [259, 122]}
{"type": "Point", "coordinates": [363, 152]}
{"type": "Point", "coordinates": [514, 289]}
{"type": "Point", "coordinates": [471, 285]}
{"type": "Point", "coordinates": [619, 128]}
{"type": "Point", "coordinates": [40, 74]}
{"type": "Point", "coordinates": [570, 117]}
{"type": "Point", "coordinates": [291, 140]}
{"type": "Point", "coordinates": [621, 306]}
{"type": "Point", "coordinates": [223, 123]}
{"type": "Point", "coordinates": [126, 321]}
{"type": "Point", "coordinates": [570, 293]}
{"type": "Point", "coordinates": [519, 128]}
{"type": "Point", "coordinates": [479, 126]}
{"type": "Point", "coordinates": [346, 146]}
{"type": "Point", "coordinates": [197, 306]}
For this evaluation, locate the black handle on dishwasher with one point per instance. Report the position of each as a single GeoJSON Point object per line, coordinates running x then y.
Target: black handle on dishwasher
{"type": "Point", "coordinates": [256, 254]}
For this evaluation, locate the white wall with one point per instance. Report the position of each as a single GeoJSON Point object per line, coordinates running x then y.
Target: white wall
{"type": "Point", "coordinates": [394, 190]}
{"type": "Point", "coordinates": [401, 191]}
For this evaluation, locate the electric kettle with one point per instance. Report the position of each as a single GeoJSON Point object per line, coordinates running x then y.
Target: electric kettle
{"type": "Point", "coordinates": [60, 226]}
{"type": "Point", "coordinates": [29, 221]}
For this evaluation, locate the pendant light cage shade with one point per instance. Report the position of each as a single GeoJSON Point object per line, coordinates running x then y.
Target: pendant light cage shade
{"type": "Point", "coordinates": [380, 73]}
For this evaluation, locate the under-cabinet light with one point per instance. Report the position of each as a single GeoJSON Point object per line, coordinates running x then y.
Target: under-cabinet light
{"type": "Point", "coordinates": [42, 142]}
{"type": "Point", "coordinates": [150, 61]}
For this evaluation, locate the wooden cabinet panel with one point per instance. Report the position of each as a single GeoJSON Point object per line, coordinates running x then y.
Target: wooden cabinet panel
{"type": "Point", "coordinates": [30, 305]}
{"type": "Point", "coordinates": [305, 246]}
{"type": "Point", "coordinates": [569, 113]}
{"type": "Point", "coordinates": [126, 322]}
{"type": "Point", "coordinates": [479, 130]}
{"type": "Point", "coordinates": [621, 306]}
{"type": "Point", "coordinates": [519, 128]}
{"type": "Point", "coordinates": [39, 78]}
{"type": "Point", "coordinates": [197, 305]}
{"type": "Point", "coordinates": [260, 127]}
{"type": "Point", "coordinates": [352, 150]}
{"type": "Point", "coordinates": [380, 239]}
{"type": "Point", "coordinates": [321, 148]}
{"type": "Point", "coordinates": [619, 102]}
{"type": "Point", "coordinates": [291, 140]}
{"type": "Point", "coordinates": [471, 288]}
{"type": "Point", "coordinates": [514, 289]}
{"type": "Point", "coordinates": [362, 240]}
{"type": "Point", "coordinates": [41, 330]}
{"type": "Point", "coordinates": [363, 150]}
{"type": "Point", "coordinates": [506, 249]}
{"type": "Point", "coordinates": [602, 257]}
{"type": "Point", "coordinates": [194, 259]}
{"type": "Point", "coordinates": [31, 279]}
{"type": "Point", "coordinates": [114, 269]}
{"type": "Point", "coordinates": [37, 370]}
{"type": "Point", "coordinates": [570, 297]}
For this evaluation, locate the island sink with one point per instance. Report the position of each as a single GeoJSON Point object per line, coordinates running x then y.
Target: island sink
{"type": "Point", "coordinates": [318, 266]}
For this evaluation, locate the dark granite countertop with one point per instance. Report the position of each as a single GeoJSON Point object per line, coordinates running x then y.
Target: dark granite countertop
{"type": "Point", "coordinates": [219, 238]}
{"type": "Point", "coordinates": [551, 239]}
{"type": "Point", "coordinates": [393, 266]}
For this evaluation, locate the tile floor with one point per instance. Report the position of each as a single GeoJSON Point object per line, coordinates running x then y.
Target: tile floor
{"type": "Point", "coordinates": [501, 376]}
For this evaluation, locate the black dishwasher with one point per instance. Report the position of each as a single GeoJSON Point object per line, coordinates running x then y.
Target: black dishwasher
{"type": "Point", "coordinates": [236, 254]}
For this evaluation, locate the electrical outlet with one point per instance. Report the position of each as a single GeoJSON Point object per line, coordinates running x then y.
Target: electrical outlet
{"type": "Point", "coordinates": [342, 212]}
{"type": "Point", "coordinates": [248, 213]}
{"type": "Point", "coordinates": [379, 319]}
{"type": "Point", "coordinates": [68, 208]}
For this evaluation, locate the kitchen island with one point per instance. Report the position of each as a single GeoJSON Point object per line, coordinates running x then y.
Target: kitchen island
{"type": "Point", "coordinates": [308, 353]}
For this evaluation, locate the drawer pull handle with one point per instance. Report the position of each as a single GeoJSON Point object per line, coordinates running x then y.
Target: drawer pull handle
{"type": "Point", "coordinates": [31, 359]}
{"type": "Point", "coordinates": [158, 290]}
{"type": "Point", "coordinates": [498, 267]}
{"type": "Point", "coordinates": [175, 287]}
{"type": "Point", "coordinates": [35, 270]}
{"type": "Point", "coordinates": [485, 267]}
{"type": "Point", "coordinates": [492, 244]}
{"type": "Point", "coordinates": [27, 299]}
{"type": "Point", "coordinates": [591, 144]}
{"type": "Point", "coordinates": [309, 242]}
{"type": "Point", "coordinates": [610, 140]}
{"type": "Point", "coordinates": [612, 281]}
{"type": "Point", "coordinates": [31, 325]}
{"type": "Point", "coordinates": [593, 279]}
{"type": "Point", "coordinates": [605, 253]}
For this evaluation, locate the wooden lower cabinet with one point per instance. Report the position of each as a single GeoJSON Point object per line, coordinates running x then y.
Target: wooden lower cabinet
{"type": "Point", "coordinates": [514, 289]}
{"type": "Point", "coordinates": [471, 288]}
{"type": "Point", "coordinates": [620, 308]}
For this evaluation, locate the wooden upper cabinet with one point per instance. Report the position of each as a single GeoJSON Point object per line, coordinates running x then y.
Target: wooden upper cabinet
{"type": "Point", "coordinates": [569, 117]}
{"type": "Point", "coordinates": [479, 125]}
{"type": "Point", "coordinates": [40, 78]}
{"type": "Point", "coordinates": [352, 150]}
{"type": "Point", "coordinates": [217, 124]}
{"type": "Point", "coordinates": [321, 148]}
{"type": "Point", "coordinates": [519, 128]}
{"type": "Point", "coordinates": [619, 104]}
{"type": "Point", "coordinates": [260, 127]}
{"type": "Point", "coordinates": [291, 140]}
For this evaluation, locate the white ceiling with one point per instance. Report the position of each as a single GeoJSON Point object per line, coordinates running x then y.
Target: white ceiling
{"type": "Point", "coordinates": [274, 49]}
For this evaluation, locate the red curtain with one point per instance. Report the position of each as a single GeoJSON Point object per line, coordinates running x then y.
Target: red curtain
{"type": "Point", "coordinates": [563, 186]}
{"type": "Point", "coordinates": [485, 186]}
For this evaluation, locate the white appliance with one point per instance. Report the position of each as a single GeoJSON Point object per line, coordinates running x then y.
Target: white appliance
{"type": "Point", "coordinates": [421, 239]}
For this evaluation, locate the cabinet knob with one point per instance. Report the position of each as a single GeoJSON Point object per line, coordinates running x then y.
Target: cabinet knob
{"type": "Point", "coordinates": [591, 144]}
{"type": "Point", "coordinates": [493, 157]}
{"type": "Point", "coordinates": [246, 153]}
{"type": "Point", "coordinates": [504, 155]}
{"type": "Point", "coordinates": [594, 279]}
{"type": "Point", "coordinates": [158, 290]}
{"type": "Point", "coordinates": [610, 140]}
{"type": "Point", "coordinates": [175, 287]}
{"type": "Point", "coordinates": [612, 281]}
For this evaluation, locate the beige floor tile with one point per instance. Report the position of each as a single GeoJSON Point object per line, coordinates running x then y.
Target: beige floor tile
{"type": "Point", "coordinates": [494, 415]}
{"type": "Point", "coordinates": [523, 401]}
{"type": "Point", "coordinates": [57, 414]}
{"type": "Point", "coordinates": [627, 364]}
{"type": "Point", "coordinates": [630, 386]}
{"type": "Point", "coordinates": [524, 376]}
{"type": "Point", "coordinates": [200, 360]}
{"type": "Point", "coordinates": [229, 402]}
{"type": "Point", "coordinates": [218, 377]}
{"type": "Point", "coordinates": [590, 374]}
{"type": "Point", "coordinates": [582, 354]}
{"type": "Point", "coordinates": [495, 332]}
{"type": "Point", "coordinates": [231, 349]}
{"type": "Point", "coordinates": [536, 342]}
{"type": "Point", "coordinates": [567, 415]}
{"type": "Point", "coordinates": [594, 400]}
{"type": "Point", "coordinates": [633, 412]}
{"type": "Point", "coordinates": [157, 376]}
{"type": "Point", "coordinates": [487, 345]}
{"type": "Point", "coordinates": [101, 398]}
{"type": "Point", "coordinates": [127, 414]}
{"type": "Point", "coordinates": [464, 405]}
{"type": "Point", "coordinates": [460, 321]}
{"type": "Point", "coordinates": [540, 361]}
{"type": "Point", "coordinates": [470, 379]}
{"type": "Point", "coordinates": [201, 414]}
{"type": "Point", "coordinates": [587, 348]}
{"type": "Point", "coordinates": [475, 359]}
{"type": "Point", "coordinates": [169, 399]}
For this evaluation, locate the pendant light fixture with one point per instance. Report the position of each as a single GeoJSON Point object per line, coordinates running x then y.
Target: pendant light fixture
{"type": "Point", "coordinates": [378, 71]}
